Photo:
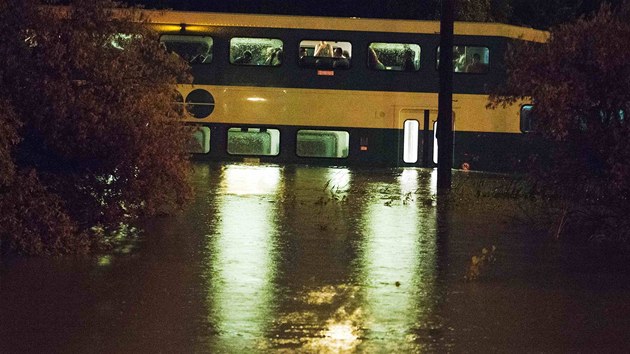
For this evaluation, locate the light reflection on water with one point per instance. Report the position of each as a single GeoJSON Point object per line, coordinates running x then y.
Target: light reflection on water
{"type": "Point", "coordinates": [243, 254]}
{"type": "Point", "coordinates": [372, 296]}
{"type": "Point", "coordinates": [316, 260]}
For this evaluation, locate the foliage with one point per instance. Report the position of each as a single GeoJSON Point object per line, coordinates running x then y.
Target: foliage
{"type": "Point", "coordinates": [544, 14]}
{"type": "Point", "coordinates": [483, 10]}
{"type": "Point", "coordinates": [579, 82]}
{"type": "Point", "coordinates": [9, 126]}
{"type": "Point", "coordinates": [99, 141]}
{"type": "Point", "coordinates": [481, 263]}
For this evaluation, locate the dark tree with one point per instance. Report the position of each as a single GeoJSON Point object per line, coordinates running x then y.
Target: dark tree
{"type": "Point", "coordinates": [92, 139]}
{"type": "Point", "coordinates": [579, 82]}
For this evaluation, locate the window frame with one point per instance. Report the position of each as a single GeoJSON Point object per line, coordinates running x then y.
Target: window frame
{"type": "Point", "coordinates": [416, 68]}
{"type": "Point", "coordinates": [231, 59]}
{"type": "Point", "coordinates": [210, 52]}
{"type": "Point", "coordinates": [345, 148]}
{"type": "Point", "coordinates": [324, 62]}
{"type": "Point", "coordinates": [487, 64]}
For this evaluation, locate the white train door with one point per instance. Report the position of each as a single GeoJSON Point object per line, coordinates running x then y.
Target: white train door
{"type": "Point", "coordinates": [415, 143]}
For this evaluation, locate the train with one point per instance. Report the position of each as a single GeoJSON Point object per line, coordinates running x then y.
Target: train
{"type": "Point", "coordinates": [342, 91]}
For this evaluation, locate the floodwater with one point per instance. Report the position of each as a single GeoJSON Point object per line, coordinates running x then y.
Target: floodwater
{"type": "Point", "coordinates": [282, 259]}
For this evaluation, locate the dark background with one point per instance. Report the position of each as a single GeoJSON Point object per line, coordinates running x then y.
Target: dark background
{"type": "Point", "coordinates": [534, 13]}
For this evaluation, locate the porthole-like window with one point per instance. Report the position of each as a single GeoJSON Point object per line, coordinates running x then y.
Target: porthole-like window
{"type": "Point", "coordinates": [199, 103]}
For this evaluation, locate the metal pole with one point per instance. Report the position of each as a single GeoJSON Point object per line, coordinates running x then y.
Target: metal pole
{"type": "Point", "coordinates": [426, 139]}
{"type": "Point", "coordinates": [445, 99]}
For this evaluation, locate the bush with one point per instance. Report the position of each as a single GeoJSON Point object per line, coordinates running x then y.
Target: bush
{"type": "Point", "coordinates": [99, 142]}
{"type": "Point", "coordinates": [579, 82]}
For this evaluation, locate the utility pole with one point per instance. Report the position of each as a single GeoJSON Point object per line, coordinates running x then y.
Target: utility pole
{"type": "Point", "coordinates": [445, 99]}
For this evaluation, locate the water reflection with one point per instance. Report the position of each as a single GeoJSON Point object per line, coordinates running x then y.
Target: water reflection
{"type": "Point", "coordinates": [352, 262]}
{"type": "Point", "coordinates": [243, 261]}
{"type": "Point", "coordinates": [399, 262]}
{"type": "Point", "coordinates": [315, 260]}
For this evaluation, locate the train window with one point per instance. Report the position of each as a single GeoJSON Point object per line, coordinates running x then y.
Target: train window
{"type": "Point", "coordinates": [323, 143]}
{"type": "Point", "coordinates": [323, 54]}
{"type": "Point", "coordinates": [121, 40]}
{"type": "Point", "coordinates": [194, 49]}
{"type": "Point", "coordinates": [468, 59]}
{"type": "Point", "coordinates": [199, 142]}
{"type": "Point", "coordinates": [526, 118]}
{"type": "Point", "coordinates": [256, 51]}
{"type": "Point", "coordinates": [253, 141]}
{"type": "Point", "coordinates": [394, 56]}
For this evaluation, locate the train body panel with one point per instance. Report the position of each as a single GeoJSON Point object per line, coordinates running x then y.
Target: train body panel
{"type": "Point", "coordinates": [263, 90]}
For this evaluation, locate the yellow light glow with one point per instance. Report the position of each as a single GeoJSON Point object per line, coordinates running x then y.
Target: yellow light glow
{"type": "Point", "coordinates": [251, 180]}
{"type": "Point", "coordinates": [170, 28]}
{"type": "Point", "coordinates": [243, 255]}
{"type": "Point", "coordinates": [341, 332]}
{"type": "Point", "coordinates": [339, 179]}
{"type": "Point", "coordinates": [256, 99]}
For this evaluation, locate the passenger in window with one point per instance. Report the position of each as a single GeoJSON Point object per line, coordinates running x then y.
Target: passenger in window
{"type": "Point", "coordinates": [408, 64]}
{"type": "Point", "coordinates": [274, 57]}
{"type": "Point", "coordinates": [246, 58]}
{"type": "Point", "coordinates": [338, 53]}
{"type": "Point", "coordinates": [202, 54]}
{"type": "Point", "coordinates": [279, 57]}
{"type": "Point", "coordinates": [323, 49]}
{"type": "Point", "coordinates": [459, 60]}
{"type": "Point", "coordinates": [303, 52]}
{"type": "Point", "coordinates": [373, 62]}
{"type": "Point", "coordinates": [476, 66]}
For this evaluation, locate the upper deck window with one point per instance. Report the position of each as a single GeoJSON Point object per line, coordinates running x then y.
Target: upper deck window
{"type": "Point", "coordinates": [194, 49]}
{"type": "Point", "coordinates": [324, 54]}
{"type": "Point", "coordinates": [256, 51]}
{"type": "Point", "coordinates": [469, 59]}
{"type": "Point", "coordinates": [394, 56]}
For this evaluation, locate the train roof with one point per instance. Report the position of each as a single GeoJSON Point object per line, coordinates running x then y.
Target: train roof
{"type": "Point", "coordinates": [196, 21]}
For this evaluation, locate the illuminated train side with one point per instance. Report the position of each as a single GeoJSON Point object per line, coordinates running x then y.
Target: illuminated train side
{"type": "Point", "coordinates": [293, 89]}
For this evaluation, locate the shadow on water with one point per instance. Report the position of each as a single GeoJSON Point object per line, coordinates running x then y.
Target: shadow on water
{"type": "Point", "coordinates": [310, 259]}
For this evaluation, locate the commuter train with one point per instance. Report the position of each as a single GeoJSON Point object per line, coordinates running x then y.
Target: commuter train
{"type": "Point", "coordinates": [342, 91]}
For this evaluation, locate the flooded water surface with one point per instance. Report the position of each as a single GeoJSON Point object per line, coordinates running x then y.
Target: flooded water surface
{"type": "Point", "coordinates": [318, 260]}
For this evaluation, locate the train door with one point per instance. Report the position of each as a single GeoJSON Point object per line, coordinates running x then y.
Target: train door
{"type": "Point", "coordinates": [415, 136]}
{"type": "Point", "coordinates": [434, 147]}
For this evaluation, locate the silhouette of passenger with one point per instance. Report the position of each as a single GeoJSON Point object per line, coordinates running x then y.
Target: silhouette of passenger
{"type": "Point", "coordinates": [408, 64]}
{"type": "Point", "coordinates": [373, 62]}
{"type": "Point", "coordinates": [246, 58]}
{"type": "Point", "coordinates": [476, 66]}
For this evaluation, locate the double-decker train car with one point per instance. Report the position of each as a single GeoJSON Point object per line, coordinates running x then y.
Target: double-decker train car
{"type": "Point", "coordinates": [341, 91]}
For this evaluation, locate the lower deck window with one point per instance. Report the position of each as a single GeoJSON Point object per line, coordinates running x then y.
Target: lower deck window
{"type": "Point", "coordinates": [199, 142]}
{"type": "Point", "coordinates": [253, 141]}
{"type": "Point", "coordinates": [323, 143]}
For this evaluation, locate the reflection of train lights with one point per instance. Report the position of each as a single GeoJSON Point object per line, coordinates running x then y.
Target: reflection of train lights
{"type": "Point", "coordinates": [243, 260]}
{"type": "Point", "coordinates": [251, 180]}
{"type": "Point", "coordinates": [339, 179]}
